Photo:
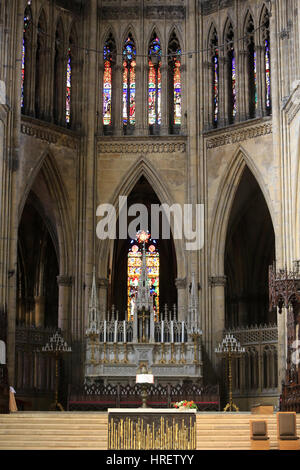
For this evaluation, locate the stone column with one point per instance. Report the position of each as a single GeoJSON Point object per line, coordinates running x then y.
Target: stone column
{"type": "Point", "coordinates": [260, 60]}
{"type": "Point", "coordinates": [224, 90]}
{"type": "Point", "coordinates": [39, 302]}
{"type": "Point", "coordinates": [139, 106]}
{"type": "Point", "coordinates": [64, 308]}
{"type": "Point", "coordinates": [117, 96]}
{"type": "Point", "coordinates": [217, 284]}
{"type": "Point", "coordinates": [30, 87]}
{"type": "Point", "coordinates": [165, 109]}
{"type": "Point", "coordinates": [208, 111]}
{"type": "Point", "coordinates": [181, 298]}
{"type": "Point", "coordinates": [77, 65]}
{"type": "Point", "coordinates": [48, 92]}
{"type": "Point", "coordinates": [243, 96]}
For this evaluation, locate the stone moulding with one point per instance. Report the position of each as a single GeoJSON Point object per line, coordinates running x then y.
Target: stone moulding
{"type": "Point", "coordinates": [51, 136]}
{"type": "Point", "coordinates": [232, 137]}
{"type": "Point", "coordinates": [141, 147]}
{"type": "Point", "coordinates": [176, 12]}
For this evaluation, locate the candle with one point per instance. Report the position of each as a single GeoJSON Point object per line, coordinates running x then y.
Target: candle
{"type": "Point", "coordinates": [104, 338]}
{"type": "Point", "coordinates": [182, 332]}
{"type": "Point", "coordinates": [172, 331]}
{"type": "Point", "coordinates": [124, 330]}
{"type": "Point", "coordinates": [116, 331]}
{"type": "Point", "coordinates": [162, 331]}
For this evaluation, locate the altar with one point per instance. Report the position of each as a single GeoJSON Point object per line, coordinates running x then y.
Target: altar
{"type": "Point", "coordinates": [145, 429]}
{"type": "Point", "coordinates": [171, 348]}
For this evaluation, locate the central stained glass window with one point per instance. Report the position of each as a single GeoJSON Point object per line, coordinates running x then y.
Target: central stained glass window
{"type": "Point", "coordinates": [129, 85]}
{"type": "Point", "coordinates": [68, 87]}
{"type": "Point", "coordinates": [154, 81]}
{"type": "Point", "coordinates": [134, 271]}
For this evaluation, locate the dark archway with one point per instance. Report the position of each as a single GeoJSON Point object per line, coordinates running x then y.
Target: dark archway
{"type": "Point", "coordinates": [37, 268]}
{"type": "Point", "coordinates": [142, 193]}
{"type": "Point", "coordinates": [250, 249]}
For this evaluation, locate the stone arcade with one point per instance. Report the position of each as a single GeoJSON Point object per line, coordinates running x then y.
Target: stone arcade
{"type": "Point", "coordinates": [164, 102]}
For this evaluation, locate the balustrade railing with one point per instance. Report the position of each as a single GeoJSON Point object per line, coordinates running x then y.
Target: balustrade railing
{"type": "Point", "coordinates": [100, 397]}
{"type": "Point", "coordinates": [167, 331]}
{"type": "Point", "coordinates": [256, 371]}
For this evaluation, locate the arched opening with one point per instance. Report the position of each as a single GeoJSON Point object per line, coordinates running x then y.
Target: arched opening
{"type": "Point", "coordinates": [37, 268]}
{"type": "Point", "coordinates": [142, 193]}
{"type": "Point", "coordinates": [249, 251]}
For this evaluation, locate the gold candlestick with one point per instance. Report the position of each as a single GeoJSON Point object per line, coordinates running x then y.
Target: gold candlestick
{"type": "Point", "coordinates": [182, 354]}
{"type": "Point", "coordinates": [172, 360]}
{"type": "Point", "coordinates": [229, 349]}
{"type": "Point", "coordinates": [162, 361]}
{"type": "Point", "coordinates": [104, 360]}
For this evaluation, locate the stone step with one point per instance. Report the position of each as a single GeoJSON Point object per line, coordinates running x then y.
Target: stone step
{"type": "Point", "coordinates": [41, 433]}
{"type": "Point", "coordinates": [51, 428]}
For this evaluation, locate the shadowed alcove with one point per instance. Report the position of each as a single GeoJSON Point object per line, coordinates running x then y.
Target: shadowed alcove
{"type": "Point", "coordinates": [250, 249]}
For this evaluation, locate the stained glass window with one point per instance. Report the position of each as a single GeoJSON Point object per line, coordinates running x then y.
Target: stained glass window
{"type": "Point", "coordinates": [252, 67]}
{"type": "Point", "coordinates": [177, 92]}
{"type": "Point", "coordinates": [129, 81]}
{"type": "Point", "coordinates": [232, 96]}
{"type": "Point", "coordinates": [68, 88]}
{"type": "Point", "coordinates": [27, 20]}
{"type": "Point", "coordinates": [107, 89]}
{"type": "Point", "coordinates": [255, 77]}
{"type": "Point", "coordinates": [134, 272]}
{"type": "Point", "coordinates": [268, 74]}
{"type": "Point", "coordinates": [233, 84]}
{"type": "Point", "coordinates": [108, 53]}
{"type": "Point", "coordinates": [174, 61]}
{"type": "Point", "coordinates": [216, 86]}
{"type": "Point", "coordinates": [215, 76]}
{"type": "Point", "coordinates": [154, 82]}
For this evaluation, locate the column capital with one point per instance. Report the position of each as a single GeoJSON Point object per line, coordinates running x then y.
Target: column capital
{"type": "Point", "coordinates": [180, 283]}
{"type": "Point", "coordinates": [217, 281]}
{"type": "Point", "coordinates": [102, 282]}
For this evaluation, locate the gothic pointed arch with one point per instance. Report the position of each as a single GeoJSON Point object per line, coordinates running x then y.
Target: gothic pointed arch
{"type": "Point", "coordinates": [48, 172]}
{"type": "Point", "coordinates": [249, 251]}
{"type": "Point", "coordinates": [143, 168]}
{"type": "Point", "coordinates": [224, 202]}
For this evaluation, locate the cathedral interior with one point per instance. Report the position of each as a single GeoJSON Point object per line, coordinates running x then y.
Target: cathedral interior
{"type": "Point", "coordinates": [169, 102]}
